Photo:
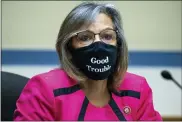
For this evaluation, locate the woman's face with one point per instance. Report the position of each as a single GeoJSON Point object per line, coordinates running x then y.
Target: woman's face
{"type": "Point", "coordinates": [103, 25]}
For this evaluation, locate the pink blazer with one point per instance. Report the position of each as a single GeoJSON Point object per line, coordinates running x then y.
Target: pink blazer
{"type": "Point", "coordinates": [55, 96]}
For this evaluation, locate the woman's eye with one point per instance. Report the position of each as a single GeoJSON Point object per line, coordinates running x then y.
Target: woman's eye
{"type": "Point", "coordinates": [84, 38]}
{"type": "Point", "coordinates": [107, 37]}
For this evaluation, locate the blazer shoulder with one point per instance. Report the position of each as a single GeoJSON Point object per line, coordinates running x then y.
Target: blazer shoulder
{"type": "Point", "coordinates": [132, 82]}
{"type": "Point", "coordinates": [56, 78]}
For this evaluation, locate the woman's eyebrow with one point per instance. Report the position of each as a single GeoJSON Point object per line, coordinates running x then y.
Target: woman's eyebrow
{"type": "Point", "coordinates": [101, 30]}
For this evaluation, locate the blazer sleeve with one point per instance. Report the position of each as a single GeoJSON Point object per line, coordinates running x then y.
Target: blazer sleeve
{"type": "Point", "coordinates": [146, 109]}
{"type": "Point", "coordinates": [36, 102]}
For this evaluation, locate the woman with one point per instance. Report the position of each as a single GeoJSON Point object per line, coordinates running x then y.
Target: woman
{"type": "Point", "coordinates": [92, 83]}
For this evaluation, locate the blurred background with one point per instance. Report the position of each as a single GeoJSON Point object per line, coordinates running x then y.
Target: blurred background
{"type": "Point", "coordinates": [152, 30]}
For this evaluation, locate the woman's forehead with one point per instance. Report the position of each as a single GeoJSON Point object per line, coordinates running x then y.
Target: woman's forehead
{"type": "Point", "coordinates": [101, 22]}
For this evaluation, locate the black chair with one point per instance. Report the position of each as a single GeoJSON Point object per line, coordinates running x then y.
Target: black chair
{"type": "Point", "coordinates": [11, 87]}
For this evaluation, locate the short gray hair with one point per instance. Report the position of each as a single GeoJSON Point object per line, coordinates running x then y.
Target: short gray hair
{"type": "Point", "coordinates": [83, 15]}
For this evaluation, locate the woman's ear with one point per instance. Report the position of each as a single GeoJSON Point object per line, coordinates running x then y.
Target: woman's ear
{"type": "Point", "coordinates": [69, 49]}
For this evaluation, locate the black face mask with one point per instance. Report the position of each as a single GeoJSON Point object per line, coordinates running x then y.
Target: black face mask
{"type": "Point", "coordinates": [96, 61]}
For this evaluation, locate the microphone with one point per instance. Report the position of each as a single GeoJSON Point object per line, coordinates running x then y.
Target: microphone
{"type": "Point", "coordinates": [167, 75]}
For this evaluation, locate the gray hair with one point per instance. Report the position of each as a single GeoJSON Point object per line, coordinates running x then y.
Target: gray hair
{"type": "Point", "coordinates": [84, 15]}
